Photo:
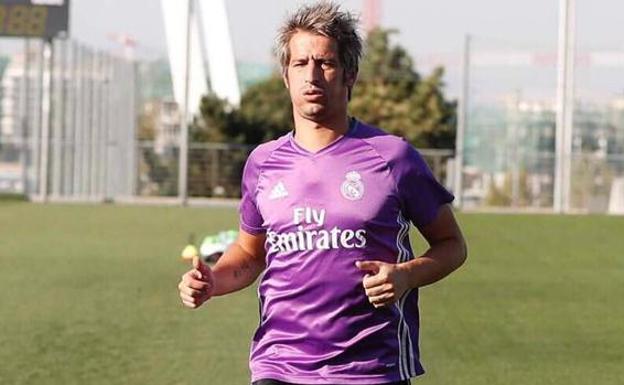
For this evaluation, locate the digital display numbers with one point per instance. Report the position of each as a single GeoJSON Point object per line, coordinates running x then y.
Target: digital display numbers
{"type": "Point", "coordinates": [32, 19]}
{"type": "Point", "coordinates": [23, 20]}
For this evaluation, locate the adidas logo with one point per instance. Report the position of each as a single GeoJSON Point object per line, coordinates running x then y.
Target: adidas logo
{"type": "Point", "coordinates": [278, 191]}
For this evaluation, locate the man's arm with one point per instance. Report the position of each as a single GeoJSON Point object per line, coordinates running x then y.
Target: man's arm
{"type": "Point", "coordinates": [241, 263]}
{"type": "Point", "coordinates": [387, 282]}
{"type": "Point", "coordinates": [237, 268]}
{"type": "Point", "coordinates": [447, 251]}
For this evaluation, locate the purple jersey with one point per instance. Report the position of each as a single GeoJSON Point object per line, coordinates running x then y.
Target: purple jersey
{"type": "Point", "coordinates": [352, 200]}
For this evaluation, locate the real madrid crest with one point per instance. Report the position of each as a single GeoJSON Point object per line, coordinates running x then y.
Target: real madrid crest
{"type": "Point", "coordinates": [352, 188]}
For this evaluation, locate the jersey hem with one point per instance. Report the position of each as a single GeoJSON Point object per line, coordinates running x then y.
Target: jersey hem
{"type": "Point", "coordinates": [315, 380]}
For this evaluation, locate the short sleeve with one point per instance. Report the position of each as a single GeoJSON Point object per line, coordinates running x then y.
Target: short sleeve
{"type": "Point", "coordinates": [420, 193]}
{"type": "Point", "coordinates": [250, 218]}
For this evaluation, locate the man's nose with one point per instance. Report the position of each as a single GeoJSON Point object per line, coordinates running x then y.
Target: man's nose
{"type": "Point", "coordinates": [313, 72]}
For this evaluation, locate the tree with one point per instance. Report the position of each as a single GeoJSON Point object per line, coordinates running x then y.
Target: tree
{"type": "Point", "coordinates": [265, 113]}
{"type": "Point", "coordinates": [389, 93]}
{"type": "Point", "coordinates": [215, 123]}
{"type": "Point", "coordinates": [392, 95]}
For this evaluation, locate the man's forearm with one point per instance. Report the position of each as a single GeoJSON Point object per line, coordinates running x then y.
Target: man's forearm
{"type": "Point", "coordinates": [440, 260]}
{"type": "Point", "coordinates": [235, 270]}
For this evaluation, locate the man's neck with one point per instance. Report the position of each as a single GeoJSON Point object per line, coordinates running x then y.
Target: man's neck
{"type": "Point", "coordinates": [314, 136]}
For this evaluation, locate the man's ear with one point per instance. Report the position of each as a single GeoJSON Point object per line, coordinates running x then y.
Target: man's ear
{"type": "Point", "coordinates": [349, 81]}
{"type": "Point", "coordinates": [350, 78]}
{"type": "Point", "coordinates": [285, 79]}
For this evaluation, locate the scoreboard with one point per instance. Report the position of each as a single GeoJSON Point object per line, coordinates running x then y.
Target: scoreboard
{"type": "Point", "coordinates": [34, 18]}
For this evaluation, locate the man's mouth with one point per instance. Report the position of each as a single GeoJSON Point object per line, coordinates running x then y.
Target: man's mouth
{"type": "Point", "coordinates": [313, 92]}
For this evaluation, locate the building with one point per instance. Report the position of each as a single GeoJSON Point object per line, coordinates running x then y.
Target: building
{"type": "Point", "coordinates": [164, 117]}
{"type": "Point", "coordinates": [615, 121]}
{"type": "Point", "coordinates": [13, 96]}
{"type": "Point", "coordinates": [510, 148]}
{"type": "Point", "coordinates": [17, 93]}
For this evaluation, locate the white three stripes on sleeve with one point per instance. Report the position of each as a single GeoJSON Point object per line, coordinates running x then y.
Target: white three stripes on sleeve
{"type": "Point", "coordinates": [406, 361]}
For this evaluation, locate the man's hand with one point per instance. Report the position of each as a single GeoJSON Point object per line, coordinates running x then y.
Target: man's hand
{"type": "Point", "coordinates": [197, 285]}
{"type": "Point", "coordinates": [385, 282]}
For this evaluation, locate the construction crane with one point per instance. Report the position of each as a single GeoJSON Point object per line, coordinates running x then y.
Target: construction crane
{"type": "Point", "coordinates": [371, 15]}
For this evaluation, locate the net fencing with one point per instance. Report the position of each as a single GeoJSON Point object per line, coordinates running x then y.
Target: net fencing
{"type": "Point", "coordinates": [510, 135]}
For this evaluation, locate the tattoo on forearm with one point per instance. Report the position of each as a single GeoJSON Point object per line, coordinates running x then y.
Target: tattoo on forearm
{"type": "Point", "coordinates": [242, 269]}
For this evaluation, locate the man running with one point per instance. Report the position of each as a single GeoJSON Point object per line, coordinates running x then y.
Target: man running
{"type": "Point", "coordinates": [324, 218]}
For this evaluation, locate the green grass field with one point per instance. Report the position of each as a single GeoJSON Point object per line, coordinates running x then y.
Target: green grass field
{"type": "Point", "coordinates": [88, 296]}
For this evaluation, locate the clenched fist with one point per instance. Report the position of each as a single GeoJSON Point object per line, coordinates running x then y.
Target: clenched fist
{"type": "Point", "coordinates": [197, 285]}
{"type": "Point", "coordinates": [384, 283]}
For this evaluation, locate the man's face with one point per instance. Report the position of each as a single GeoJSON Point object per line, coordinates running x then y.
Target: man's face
{"type": "Point", "coordinates": [315, 78]}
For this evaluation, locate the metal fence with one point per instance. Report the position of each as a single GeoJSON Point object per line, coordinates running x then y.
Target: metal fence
{"type": "Point", "coordinates": [68, 123]}
{"type": "Point", "coordinates": [68, 131]}
{"type": "Point", "coordinates": [215, 169]}
{"type": "Point", "coordinates": [510, 136]}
